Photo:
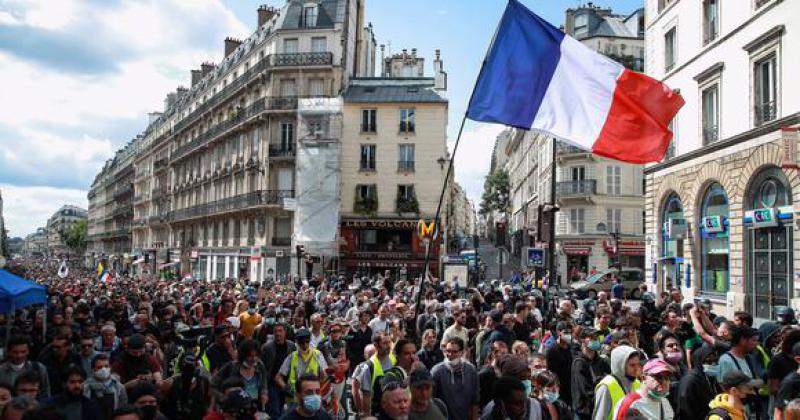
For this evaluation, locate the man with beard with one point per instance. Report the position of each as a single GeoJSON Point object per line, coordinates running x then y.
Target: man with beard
{"type": "Point", "coordinates": [273, 353]}
{"type": "Point", "coordinates": [58, 358]}
{"type": "Point", "coordinates": [135, 364]}
{"type": "Point", "coordinates": [456, 383]}
{"type": "Point", "coordinates": [17, 352]}
{"type": "Point", "coordinates": [71, 402]}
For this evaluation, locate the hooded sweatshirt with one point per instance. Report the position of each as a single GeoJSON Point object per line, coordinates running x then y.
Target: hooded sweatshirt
{"type": "Point", "coordinates": [696, 388]}
{"type": "Point", "coordinates": [725, 402]}
{"type": "Point", "coordinates": [586, 373]}
{"type": "Point", "coordinates": [602, 397]}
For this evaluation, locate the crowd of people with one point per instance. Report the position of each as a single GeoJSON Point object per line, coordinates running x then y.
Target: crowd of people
{"type": "Point", "coordinates": [335, 348]}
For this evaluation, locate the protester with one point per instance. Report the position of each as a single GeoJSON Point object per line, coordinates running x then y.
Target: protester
{"type": "Point", "coordinates": [423, 405]}
{"type": "Point", "coordinates": [699, 385]}
{"type": "Point", "coordinates": [730, 404]}
{"type": "Point", "coordinates": [649, 401]}
{"type": "Point", "coordinates": [456, 382]}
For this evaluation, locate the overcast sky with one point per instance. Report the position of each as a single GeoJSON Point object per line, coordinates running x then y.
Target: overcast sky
{"type": "Point", "coordinates": [80, 76]}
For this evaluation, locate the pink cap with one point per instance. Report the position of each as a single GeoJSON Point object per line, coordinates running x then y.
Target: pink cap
{"type": "Point", "coordinates": [656, 366]}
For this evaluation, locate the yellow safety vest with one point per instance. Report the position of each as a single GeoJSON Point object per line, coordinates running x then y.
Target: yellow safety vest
{"type": "Point", "coordinates": [313, 367]}
{"type": "Point", "coordinates": [764, 390]}
{"type": "Point", "coordinates": [616, 391]}
{"type": "Point", "coordinates": [377, 369]}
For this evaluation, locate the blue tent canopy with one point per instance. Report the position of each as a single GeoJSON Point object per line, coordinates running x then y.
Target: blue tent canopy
{"type": "Point", "coordinates": [16, 292]}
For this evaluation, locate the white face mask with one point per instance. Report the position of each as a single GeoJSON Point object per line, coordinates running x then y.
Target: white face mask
{"type": "Point", "coordinates": [17, 367]}
{"type": "Point", "coordinates": [103, 373]}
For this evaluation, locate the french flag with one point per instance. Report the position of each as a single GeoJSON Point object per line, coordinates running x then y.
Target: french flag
{"type": "Point", "coordinates": [535, 77]}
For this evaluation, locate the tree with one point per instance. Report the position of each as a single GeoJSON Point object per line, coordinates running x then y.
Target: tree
{"type": "Point", "coordinates": [75, 237]}
{"type": "Point", "coordinates": [495, 192]}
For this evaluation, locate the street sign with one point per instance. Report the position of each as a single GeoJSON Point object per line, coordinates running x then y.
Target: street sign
{"type": "Point", "coordinates": [535, 257]}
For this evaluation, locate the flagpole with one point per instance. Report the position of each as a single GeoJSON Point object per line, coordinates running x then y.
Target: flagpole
{"type": "Point", "coordinates": [449, 172]}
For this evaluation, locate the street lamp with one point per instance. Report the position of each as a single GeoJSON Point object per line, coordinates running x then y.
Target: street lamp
{"type": "Point", "coordinates": [441, 161]}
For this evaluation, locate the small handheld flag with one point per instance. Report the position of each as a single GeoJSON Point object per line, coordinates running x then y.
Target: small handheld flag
{"type": "Point", "coordinates": [63, 270]}
{"type": "Point", "coordinates": [535, 77]}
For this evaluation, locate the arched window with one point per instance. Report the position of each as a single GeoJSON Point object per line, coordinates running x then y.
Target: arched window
{"type": "Point", "coordinates": [769, 189]}
{"type": "Point", "coordinates": [715, 246]}
{"type": "Point", "coordinates": [673, 230]}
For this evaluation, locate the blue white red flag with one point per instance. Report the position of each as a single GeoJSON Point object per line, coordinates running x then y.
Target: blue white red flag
{"type": "Point", "coordinates": [535, 77]}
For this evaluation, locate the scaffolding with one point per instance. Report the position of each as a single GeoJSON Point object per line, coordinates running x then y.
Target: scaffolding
{"type": "Point", "coordinates": [317, 180]}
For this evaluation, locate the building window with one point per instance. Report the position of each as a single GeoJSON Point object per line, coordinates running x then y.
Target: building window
{"type": "Point", "coordinates": [407, 120]}
{"type": "Point", "coordinates": [291, 46]}
{"type": "Point", "coordinates": [405, 191]}
{"type": "Point", "coordinates": [710, 117]}
{"type": "Point", "coordinates": [710, 20]}
{"type": "Point", "coordinates": [672, 233]}
{"type": "Point", "coordinates": [288, 88]}
{"type": "Point", "coordinates": [405, 161]}
{"type": "Point", "coordinates": [613, 180]}
{"type": "Point", "coordinates": [662, 4]}
{"type": "Point", "coordinates": [287, 136]}
{"type": "Point", "coordinates": [319, 44]}
{"type": "Point", "coordinates": [309, 16]}
{"type": "Point", "coordinates": [368, 157]}
{"type": "Point", "coordinates": [614, 220]}
{"type": "Point", "coordinates": [766, 89]}
{"type": "Point", "coordinates": [369, 122]}
{"type": "Point", "coordinates": [283, 228]}
{"type": "Point", "coordinates": [576, 220]}
{"type": "Point", "coordinates": [366, 200]}
{"type": "Point", "coordinates": [714, 240]}
{"type": "Point", "coordinates": [578, 173]}
{"type": "Point", "coordinates": [316, 87]}
{"type": "Point", "coordinates": [581, 23]}
{"type": "Point", "coordinates": [670, 45]}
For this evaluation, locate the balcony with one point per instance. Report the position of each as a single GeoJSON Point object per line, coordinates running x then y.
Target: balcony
{"type": "Point", "coordinates": [281, 241]}
{"type": "Point", "coordinates": [235, 203]}
{"type": "Point", "coordinates": [710, 134]}
{"type": "Point", "coordinates": [302, 59]}
{"type": "Point", "coordinates": [237, 117]}
{"type": "Point", "coordinates": [578, 188]}
{"type": "Point", "coordinates": [282, 103]}
{"type": "Point", "coordinates": [765, 112]}
{"type": "Point", "coordinates": [278, 151]}
{"type": "Point", "coordinates": [405, 166]}
{"type": "Point", "coordinates": [160, 164]}
{"type": "Point", "coordinates": [123, 191]}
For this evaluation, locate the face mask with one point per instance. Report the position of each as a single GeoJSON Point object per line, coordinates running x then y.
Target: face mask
{"type": "Point", "coordinates": [312, 402]}
{"type": "Point", "coordinates": [102, 373]}
{"type": "Point", "coordinates": [711, 370]}
{"type": "Point", "coordinates": [657, 394]}
{"type": "Point", "coordinates": [248, 364]}
{"type": "Point", "coordinates": [453, 364]}
{"type": "Point", "coordinates": [567, 338]}
{"type": "Point", "coordinates": [18, 367]}
{"type": "Point", "coordinates": [594, 345]}
{"type": "Point", "coordinates": [149, 412]}
{"type": "Point", "coordinates": [528, 386]}
{"type": "Point", "coordinates": [551, 396]}
{"type": "Point", "coordinates": [251, 311]}
{"type": "Point", "coordinates": [673, 358]}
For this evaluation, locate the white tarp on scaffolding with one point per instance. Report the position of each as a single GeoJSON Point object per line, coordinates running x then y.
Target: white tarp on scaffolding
{"type": "Point", "coordinates": [318, 175]}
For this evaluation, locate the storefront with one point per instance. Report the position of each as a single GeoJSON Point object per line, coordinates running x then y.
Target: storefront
{"type": "Point", "coordinates": [768, 226]}
{"type": "Point", "coordinates": [673, 232]}
{"type": "Point", "coordinates": [714, 242]}
{"type": "Point", "coordinates": [372, 246]}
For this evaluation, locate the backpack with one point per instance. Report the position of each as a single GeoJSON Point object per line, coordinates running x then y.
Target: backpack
{"type": "Point", "coordinates": [720, 412]}
{"type": "Point", "coordinates": [441, 405]}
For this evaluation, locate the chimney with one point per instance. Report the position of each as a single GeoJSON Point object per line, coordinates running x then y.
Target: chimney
{"type": "Point", "coordinates": [265, 13]}
{"type": "Point", "coordinates": [169, 101]}
{"type": "Point", "coordinates": [206, 68]}
{"type": "Point", "coordinates": [413, 53]}
{"type": "Point", "coordinates": [197, 75]}
{"type": "Point", "coordinates": [405, 53]}
{"type": "Point", "coordinates": [152, 116]}
{"type": "Point", "coordinates": [439, 73]}
{"type": "Point", "coordinates": [230, 45]}
{"type": "Point", "coordinates": [181, 90]}
{"type": "Point", "coordinates": [383, 60]}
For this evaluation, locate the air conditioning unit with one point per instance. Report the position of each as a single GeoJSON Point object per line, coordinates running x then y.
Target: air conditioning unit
{"type": "Point", "coordinates": [279, 254]}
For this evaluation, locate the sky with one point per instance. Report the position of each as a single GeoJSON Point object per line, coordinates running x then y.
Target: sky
{"type": "Point", "coordinates": [80, 77]}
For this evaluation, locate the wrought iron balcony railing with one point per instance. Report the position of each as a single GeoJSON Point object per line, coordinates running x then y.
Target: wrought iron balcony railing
{"type": "Point", "coordinates": [301, 59]}
{"type": "Point", "coordinates": [238, 202]}
{"type": "Point", "coordinates": [577, 188]}
{"type": "Point", "coordinates": [405, 165]}
{"type": "Point", "coordinates": [279, 150]}
{"type": "Point", "coordinates": [765, 112]}
{"type": "Point", "coordinates": [710, 134]}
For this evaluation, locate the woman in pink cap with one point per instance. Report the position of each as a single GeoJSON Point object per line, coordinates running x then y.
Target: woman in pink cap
{"type": "Point", "coordinates": [649, 402]}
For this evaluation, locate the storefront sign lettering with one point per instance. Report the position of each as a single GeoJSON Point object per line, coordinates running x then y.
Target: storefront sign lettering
{"type": "Point", "coordinates": [713, 224]}
{"type": "Point", "coordinates": [762, 217]}
{"type": "Point", "coordinates": [676, 228]}
{"type": "Point", "coordinates": [380, 224]}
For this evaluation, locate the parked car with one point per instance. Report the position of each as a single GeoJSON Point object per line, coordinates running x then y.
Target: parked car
{"type": "Point", "coordinates": [632, 277]}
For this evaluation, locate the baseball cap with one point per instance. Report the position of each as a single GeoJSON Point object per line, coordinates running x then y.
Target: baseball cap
{"type": "Point", "coordinates": [656, 366]}
{"type": "Point", "coordinates": [563, 326]}
{"type": "Point", "coordinates": [420, 376]}
{"type": "Point", "coordinates": [736, 377]}
{"type": "Point", "coordinates": [136, 342]}
{"type": "Point", "coordinates": [588, 332]}
{"type": "Point", "coordinates": [302, 333]}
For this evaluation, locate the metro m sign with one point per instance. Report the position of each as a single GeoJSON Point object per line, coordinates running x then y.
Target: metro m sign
{"type": "Point", "coordinates": [427, 231]}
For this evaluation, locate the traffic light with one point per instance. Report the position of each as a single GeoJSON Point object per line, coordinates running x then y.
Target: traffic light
{"type": "Point", "coordinates": [301, 249]}
{"type": "Point", "coordinates": [546, 222]}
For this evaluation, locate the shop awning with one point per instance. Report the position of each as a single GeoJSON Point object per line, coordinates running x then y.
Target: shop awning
{"type": "Point", "coordinates": [167, 265]}
{"type": "Point", "coordinates": [628, 248]}
{"type": "Point", "coordinates": [577, 249]}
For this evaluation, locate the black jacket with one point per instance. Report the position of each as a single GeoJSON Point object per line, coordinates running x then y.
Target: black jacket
{"type": "Point", "coordinates": [586, 374]}
{"type": "Point", "coordinates": [695, 389]}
